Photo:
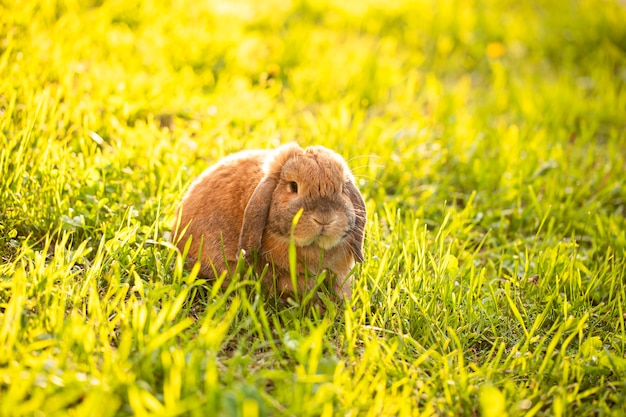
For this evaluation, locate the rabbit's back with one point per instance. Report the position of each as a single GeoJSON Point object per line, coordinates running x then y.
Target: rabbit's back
{"type": "Point", "coordinates": [212, 210]}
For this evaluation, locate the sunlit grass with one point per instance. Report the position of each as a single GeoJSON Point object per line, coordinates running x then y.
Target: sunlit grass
{"type": "Point", "coordinates": [488, 139]}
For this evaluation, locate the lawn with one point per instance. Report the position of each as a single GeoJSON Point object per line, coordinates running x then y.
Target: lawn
{"type": "Point", "coordinates": [488, 139]}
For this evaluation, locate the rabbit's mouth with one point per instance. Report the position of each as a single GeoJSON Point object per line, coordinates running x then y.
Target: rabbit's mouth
{"type": "Point", "coordinates": [322, 240]}
{"type": "Point", "coordinates": [327, 241]}
{"type": "Point", "coordinates": [323, 231]}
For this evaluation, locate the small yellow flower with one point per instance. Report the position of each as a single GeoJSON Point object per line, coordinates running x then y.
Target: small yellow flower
{"type": "Point", "coordinates": [495, 49]}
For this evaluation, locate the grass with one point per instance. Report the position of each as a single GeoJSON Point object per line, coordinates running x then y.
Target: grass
{"type": "Point", "coordinates": [488, 139]}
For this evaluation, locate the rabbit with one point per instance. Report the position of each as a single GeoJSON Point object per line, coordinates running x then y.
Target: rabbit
{"type": "Point", "coordinates": [246, 204]}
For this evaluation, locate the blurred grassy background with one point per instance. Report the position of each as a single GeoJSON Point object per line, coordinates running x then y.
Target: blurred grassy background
{"type": "Point", "coordinates": [450, 97]}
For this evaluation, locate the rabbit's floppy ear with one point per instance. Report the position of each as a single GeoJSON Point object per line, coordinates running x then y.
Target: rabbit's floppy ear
{"type": "Point", "coordinates": [357, 233]}
{"type": "Point", "coordinates": [258, 207]}
{"type": "Point", "coordinates": [255, 215]}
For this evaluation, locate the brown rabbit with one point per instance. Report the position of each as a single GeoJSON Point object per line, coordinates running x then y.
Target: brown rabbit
{"type": "Point", "coordinates": [248, 201]}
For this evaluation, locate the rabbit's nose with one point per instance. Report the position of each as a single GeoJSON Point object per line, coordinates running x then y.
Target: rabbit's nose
{"type": "Point", "coordinates": [321, 222]}
{"type": "Point", "coordinates": [324, 220]}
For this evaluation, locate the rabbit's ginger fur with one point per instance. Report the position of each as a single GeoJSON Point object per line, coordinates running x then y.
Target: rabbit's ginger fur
{"type": "Point", "coordinates": [243, 202]}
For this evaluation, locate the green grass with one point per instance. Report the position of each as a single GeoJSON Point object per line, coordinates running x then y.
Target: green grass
{"type": "Point", "coordinates": [488, 139]}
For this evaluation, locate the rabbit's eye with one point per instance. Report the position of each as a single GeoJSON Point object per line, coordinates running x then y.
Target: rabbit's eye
{"type": "Point", "coordinates": [293, 186]}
